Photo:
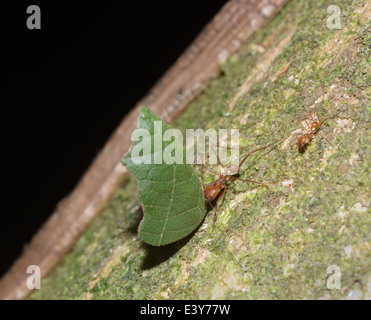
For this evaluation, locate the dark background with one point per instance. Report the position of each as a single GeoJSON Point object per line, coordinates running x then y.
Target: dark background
{"type": "Point", "coordinates": [67, 88]}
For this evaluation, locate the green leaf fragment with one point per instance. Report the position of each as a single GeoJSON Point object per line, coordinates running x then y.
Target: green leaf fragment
{"type": "Point", "coordinates": [171, 194]}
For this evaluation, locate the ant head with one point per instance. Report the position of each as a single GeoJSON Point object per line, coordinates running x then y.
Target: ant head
{"type": "Point", "coordinates": [314, 127]}
{"type": "Point", "coordinates": [233, 169]}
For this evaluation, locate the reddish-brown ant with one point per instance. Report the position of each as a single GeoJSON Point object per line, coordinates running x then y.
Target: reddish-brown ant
{"type": "Point", "coordinates": [306, 138]}
{"type": "Point", "coordinates": [213, 189]}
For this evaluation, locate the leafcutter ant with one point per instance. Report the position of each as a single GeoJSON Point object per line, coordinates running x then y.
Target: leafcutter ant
{"type": "Point", "coordinates": [313, 129]}
{"type": "Point", "coordinates": [218, 188]}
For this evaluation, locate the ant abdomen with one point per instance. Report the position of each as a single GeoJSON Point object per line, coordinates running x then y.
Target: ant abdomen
{"type": "Point", "coordinates": [303, 142]}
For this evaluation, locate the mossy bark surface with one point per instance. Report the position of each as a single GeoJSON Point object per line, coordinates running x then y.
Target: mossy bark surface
{"type": "Point", "coordinates": [268, 243]}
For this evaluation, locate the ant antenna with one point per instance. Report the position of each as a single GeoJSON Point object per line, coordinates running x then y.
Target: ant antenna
{"type": "Point", "coordinates": [250, 153]}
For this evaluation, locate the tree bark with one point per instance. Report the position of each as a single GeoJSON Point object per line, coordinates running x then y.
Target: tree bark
{"type": "Point", "coordinates": [305, 236]}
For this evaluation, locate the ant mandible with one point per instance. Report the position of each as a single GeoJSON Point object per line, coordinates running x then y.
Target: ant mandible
{"type": "Point", "coordinates": [213, 189]}
{"type": "Point", "coordinates": [306, 138]}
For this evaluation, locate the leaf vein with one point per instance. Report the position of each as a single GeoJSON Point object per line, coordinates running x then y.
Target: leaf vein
{"type": "Point", "coordinates": [168, 212]}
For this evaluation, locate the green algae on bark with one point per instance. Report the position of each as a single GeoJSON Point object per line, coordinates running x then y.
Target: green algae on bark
{"type": "Point", "coordinates": [268, 243]}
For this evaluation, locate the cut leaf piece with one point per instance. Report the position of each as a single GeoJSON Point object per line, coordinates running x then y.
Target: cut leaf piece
{"type": "Point", "coordinates": [171, 194]}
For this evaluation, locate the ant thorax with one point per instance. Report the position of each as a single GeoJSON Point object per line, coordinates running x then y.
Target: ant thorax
{"type": "Point", "coordinates": [303, 140]}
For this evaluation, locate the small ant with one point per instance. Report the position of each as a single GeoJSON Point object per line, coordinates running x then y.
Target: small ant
{"type": "Point", "coordinates": [213, 189]}
{"type": "Point", "coordinates": [305, 139]}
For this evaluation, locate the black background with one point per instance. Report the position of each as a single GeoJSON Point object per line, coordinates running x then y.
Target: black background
{"type": "Point", "coordinates": [68, 86]}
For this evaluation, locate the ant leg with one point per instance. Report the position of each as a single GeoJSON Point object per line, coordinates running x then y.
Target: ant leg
{"type": "Point", "coordinates": [229, 148]}
{"type": "Point", "coordinates": [211, 170]}
{"type": "Point", "coordinates": [328, 117]}
{"type": "Point", "coordinates": [216, 205]}
{"type": "Point", "coordinates": [252, 181]}
{"type": "Point", "coordinates": [215, 215]}
{"type": "Point", "coordinates": [325, 139]}
{"type": "Point", "coordinates": [250, 153]}
{"type": "Point", "coordinates": [309, 130]}
{"type": "Point", "coordinates": [217, 156]}
{"type": "Point", "coordinates": [323, 120]}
